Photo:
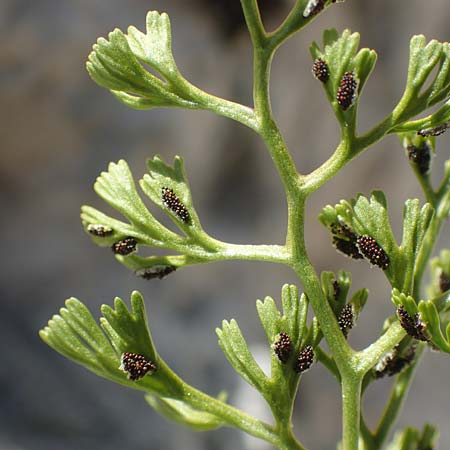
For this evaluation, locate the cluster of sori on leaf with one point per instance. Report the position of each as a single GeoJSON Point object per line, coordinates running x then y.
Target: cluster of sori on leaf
{"type": "Point", "coordinates": [120, 348]}
{"type": "Point", "coordinates": [360, 228]}
{"type": "Point", "coordinates": [336, 288]}
{"type": "Point", "coordinates": [168, 188]}
{"type": "Point", "coordinates": [424, 320]}
{"type": "Point", "coordinates": [343, 72]}
{"type": "Point", "coordinates": [420, 156]}
{"type": "Point", "coordinates": [341, 68]}
{"type": "Point", "coordinates": [136, 366]}
{"type": "Point", "coordinates": [348, 84]}
{"type": "Point", "coordinates": [440, 274]}
{"type": "Point", "coordinates": [357, 246]}
{"type": "Point", "coordinates": [412, 324]}
{"type": "Point", "coordinates": [395, 361]}
{"type": "Point", "coordinates": [282, 347]}
{"type": "Point", "coordinates": [314, 7]}
{"type": "Point", "coordinates": [420, 147]}
{"type": "Point", "coordinates": [292, 342]}
{"type": "Point", "coordinates": [434, 131]}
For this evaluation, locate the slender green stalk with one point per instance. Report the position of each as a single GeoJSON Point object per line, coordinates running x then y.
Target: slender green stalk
{"type": "Point", "coordinates": [351, 411]}
{"type": "Point", "coordinates": [432, 233]}
{"type": "Point", "coordinates": [340, 158]}
{"type": "Point", "coordinates": [293, 23]}
{"type": "Point", "coordinates": [427, 189]}
{"type": "Point", "coordinates": [230, 415]}
{"type": "Point", "coordinates": [367, 358]}
{"type": "Point", "coordinates": [268, 253]}
{"type": "Point", "coordinates": [424, 255]}
{"type": "Point", "coordinates": [254, 23]}
{"type": "Point", "coordinates": [223, 107]}
{"type": "Point", "coordinates": [396, 400]}
{"type": "Point", "coordinates": [367, 436]}
{"type": "Point", "coordinates": [340, 349]}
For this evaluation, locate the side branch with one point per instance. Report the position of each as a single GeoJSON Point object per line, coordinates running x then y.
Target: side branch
{"type": "Point", "coordinates": [254, 22]}
{"type": "Point", "coordinates": [226, 108]}
{"type": "Point", "coordinates": [397, 398]}
{"type": "Point", "coordinates": [366, 359]}
{"type": "Point", "coordinates": [293, 23]}
{"type": "Point", "coordinates": [267, 253]}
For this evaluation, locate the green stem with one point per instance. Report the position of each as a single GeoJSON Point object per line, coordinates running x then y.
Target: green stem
{"type": "Point", "coordinates": [282, 439]}
{"type": "Point", "coordinates": [424, 254]}
{"type": "Point", "coordinates": [349, 147]}
{"type": "Point", "coordinates": [230, 415]}
{"type": "Point", "coordinates": [293, 23]}
{"type": "Point", "coordinates": [254, 23]}
{"type": "Point", "coordinates": [351, 412]}
{"type": "Point", "coordinates": [431, 235]}
{"type": "Point", "coordinates": [396, 400]}
{"type": "Point", "coordinates": [220, 106]}
{"type": "Point", "coordinates": [340, 349]}
{"type": "Point", "coordinates": [268, 253]}
{"type": "Point", "coordinates": [425, 184]}
{"type": "Point", "coordinates": [296, 198]}
{"type": "Point", "coordinates": [262, 59]}
{"type": "Point", "coordinates": [367, 358]}
{"type": "Point", "coordinates": [367, 436]}
{"type": "Point", "coordinates": [318, 177]}
{"type": "Point", "coordinates": [208, 249]}
{"type": "Point", "coordinates": [203, 100]}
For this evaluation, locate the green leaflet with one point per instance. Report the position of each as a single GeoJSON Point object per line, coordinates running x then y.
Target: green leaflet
{"type": "Point", "coordinates": [340, 53]}
{"type": "Point", "coordinates": [128, 330]}
{"type": "Point", "coordinates": [278, 390]}
{"type": "Point", "coordinates": [336, 288]}
{"type": "Point", "coordinates": [116, 64]}
{"type": "Point", "coordinates": [413, 439]}
{"type": "Point", "coordinates": [369, 216]}
{"type": "Point", "coordinates": [399, 298]}
{"type": "Point", "coordinates": [440, 117]}
{"type": "Point", "coordinates": [428, 312]}
{"type": "Point", "coordinates": [358, 301]}
{"type": "Point", "coordinates": [233, 344]}
{"type": "Point", "coordinates": [182, 413]}
{"type": "Point", "coordinates": [291, 321]}
{"type": "Point", "coordinates": [440, 274]}
{"type": "Point", "coordinates": [161, 176]}
{"type": "Point", "coordinates": [430, 315]}
{"type": "Point", "coordinates": [75, 334]}
{"type": "Point", "coordinates": [423, 58]}
{"type": "Point", "coordinates": [154, 47]}
{"type": "Point", "coordinates": [117, 187]}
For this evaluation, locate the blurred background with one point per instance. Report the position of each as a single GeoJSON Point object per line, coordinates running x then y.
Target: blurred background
{"type": "Point", "coordinates": [59, 131]}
